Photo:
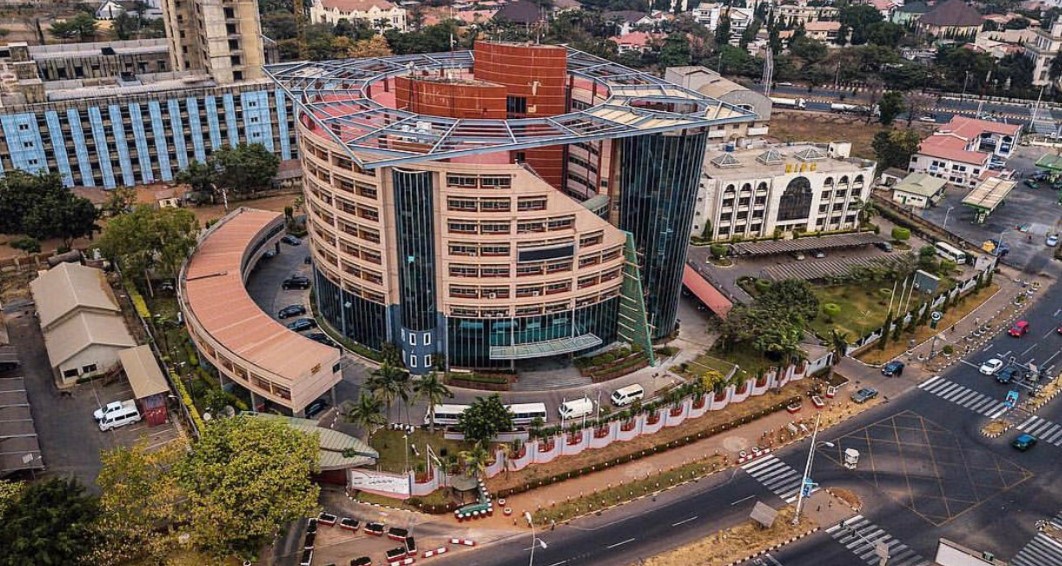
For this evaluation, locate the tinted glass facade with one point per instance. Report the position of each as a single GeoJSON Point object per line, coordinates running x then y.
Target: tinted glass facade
{"type": "Point", "coordinates": [415, 236]}
{"type": "Point", "coordinates": [469, 340]}
{"type": "Point", "coordinates": [362, 321]}
{"type": "Point", "coordinates": [659, 174]}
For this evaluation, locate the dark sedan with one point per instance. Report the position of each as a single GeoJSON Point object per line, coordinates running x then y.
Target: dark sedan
{"type": "Point", "coordinates": [302, 324]}
{"type": "Point", "coordinates": [291, 310]}
{"type": "Point", "coordinates": [297, 282]}
{"type": "Point", "coordinates": [893, 369]}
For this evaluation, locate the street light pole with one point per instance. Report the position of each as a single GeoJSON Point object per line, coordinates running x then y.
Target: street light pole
{"type": "Point", "coordinates": [807, 472]}
{"type": "Point", "coordinates": [963, 97]}
{"type": "Point", "coordinates": [535, 541]}
{"type": "Point", "coordinates": [944, 225]}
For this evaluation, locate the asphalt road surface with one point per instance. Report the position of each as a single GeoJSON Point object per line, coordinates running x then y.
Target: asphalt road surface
{"type": "Point", "coordinates": [990, 496]}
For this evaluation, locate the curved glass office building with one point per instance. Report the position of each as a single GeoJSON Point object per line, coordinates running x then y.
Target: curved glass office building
{"type": "Point", "coordinates": [508, 203]}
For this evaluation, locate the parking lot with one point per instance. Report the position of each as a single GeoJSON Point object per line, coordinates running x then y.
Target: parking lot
{"type": "Point", "coordinates": [69, 437]}
{"type": "Point", "coordinates": [923, 466]}
{"type": "Point", "coordinates": [1037, 209]}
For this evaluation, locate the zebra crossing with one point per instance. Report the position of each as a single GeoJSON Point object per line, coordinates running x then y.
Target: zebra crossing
{"type": "Point", "coordinates": [864, 538]}
{"type": "Point", "coordinates": [776, 476]}
{"type": "Point", "coordinates": [1043, 430]}
{"type": "Point", "coordinates": [1041, 550]}
{"type": "Point", "coordinates": [964, 397]}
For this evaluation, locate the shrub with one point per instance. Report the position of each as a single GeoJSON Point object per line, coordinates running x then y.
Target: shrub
{"type": "Point", "coordinates": [948, 350]}
{"type": "Point", "coordinates": [901, 234]}
{"type": "Point", "coordinates": [762, 285]}
{"type": "Point", "coordinates": [718, 251]}
{"type": "Point", "coordinates": [831, 310]}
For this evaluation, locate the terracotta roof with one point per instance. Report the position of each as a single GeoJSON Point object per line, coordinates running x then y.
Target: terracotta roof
{"type": "Point", "coordinates": [709, 295]}
{"type": "Point", "coordinates": [348, 6]}
{"type": "Point", "coordinates": [950, 147]}
{"type": "Point", "coordinates": [970, 128]}
{"type": "Point", "coordinates": [214, 290]}
{"type": "Point", "coordinates": [822, 25]}
{"type": "Point", "coordinates": [68, 287]}
{"type": "Point", "coordinates": [954, 13]}
{"type": "Point", "coordinates": [883, 4]}
{"type": "Point", "coordinates": [637, 38]}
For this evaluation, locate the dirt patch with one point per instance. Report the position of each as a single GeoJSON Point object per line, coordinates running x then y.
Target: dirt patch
{"type": "Point", "coordinates": [736, 543]}
{"type": "Point", "coordinates": [15, 286]}
{"type": "Point", "coordinates": [644, 445]}
{"type": "Point", "coordinates": [894, 348]}
{"type": "Point", "coordinates": [848, 496]}
{"type": "Point", "coordinates": [797, 126]}
{"type": "Point", "coordinates": [995, 428]}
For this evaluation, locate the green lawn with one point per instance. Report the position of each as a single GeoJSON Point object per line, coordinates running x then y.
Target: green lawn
{"type": "Point", "coordinates": [862, 309]}
{"type": "Point", "coordinates": [391, 447]}
{"type": "Point", "coordinates": [706, 362]}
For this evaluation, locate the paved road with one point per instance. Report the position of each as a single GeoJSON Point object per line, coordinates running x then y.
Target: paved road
{"type": "Point", "coordinates": [819, 99]}
{"type": "Point", "coordinates": [979, 510]}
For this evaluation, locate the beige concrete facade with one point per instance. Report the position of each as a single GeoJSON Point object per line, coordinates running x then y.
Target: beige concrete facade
{"type": "Point", "coordinates": [484, 215]}
{"type": "Point", "coordinates": [220, 37]}
{"type": "Point", "coordinates": [243, 342]}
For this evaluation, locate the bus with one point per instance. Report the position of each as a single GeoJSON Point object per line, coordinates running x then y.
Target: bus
{"type": "Point", "coordinates": [526, 413]}
{"type": "Point", "coordinates": [948, 251]}
{"type": "Point", "coordinates": [445, 414]}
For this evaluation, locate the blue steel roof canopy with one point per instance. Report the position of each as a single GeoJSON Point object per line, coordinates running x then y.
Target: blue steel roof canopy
{"type": "Point", "coordinates": [333, 95]}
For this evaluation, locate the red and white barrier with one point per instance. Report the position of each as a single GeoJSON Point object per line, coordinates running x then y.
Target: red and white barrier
{"type": "Point", "coordinates": [436, 552]}
{"type": "Point", "coordinates": [403, 562]}
{"type": "Point", "coordinates": [463, 541]}
{"type": "Point", "coordinates": [756, 453]}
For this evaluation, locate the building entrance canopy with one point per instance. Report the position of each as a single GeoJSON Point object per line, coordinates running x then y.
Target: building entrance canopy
{"type": "Point", "coordinates": [546, 348]}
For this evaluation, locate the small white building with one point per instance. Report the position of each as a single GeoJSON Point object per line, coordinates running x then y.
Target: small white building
{"type": "Point", "coordinates": [919, 190]}
{"type": "Point", "coordinates": [962, 150]}
{"type": "Point", "coordinates": [751, 193]}
{"type": "Point", "coordinates": [81, 321]}
{"type": "Point", "coordinates": [380, 14]}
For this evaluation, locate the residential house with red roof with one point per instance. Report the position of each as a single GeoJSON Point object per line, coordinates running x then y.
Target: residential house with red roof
{"type": "Point", "coordinates": [962, 150]}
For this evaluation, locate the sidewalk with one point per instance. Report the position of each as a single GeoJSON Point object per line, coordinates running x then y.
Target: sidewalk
{"type": "Point", "coordinates": [769, 431]}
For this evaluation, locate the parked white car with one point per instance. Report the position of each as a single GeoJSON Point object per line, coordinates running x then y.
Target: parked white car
{"type": "Point", "coordinates": [109, 408]}
{"type": "Point", "coordinates": [991, 366]}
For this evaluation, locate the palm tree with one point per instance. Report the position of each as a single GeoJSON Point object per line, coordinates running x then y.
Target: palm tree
{"type": "Point", "coordinates": [431, 389]}
{"type": "Point", "coordinates": [838, 343]}
{"type": "Point", "coordinates": [476, 460]}
{"type": "Point", "coordinates": [388, 384]}
{"type": "Point", "coordinates": [367, 414]}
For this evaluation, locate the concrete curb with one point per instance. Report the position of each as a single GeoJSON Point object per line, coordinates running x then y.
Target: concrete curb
{"type": "Point", "coordinates": [832, 494]}
{"type": "Point", "coordinates": [775, 546]}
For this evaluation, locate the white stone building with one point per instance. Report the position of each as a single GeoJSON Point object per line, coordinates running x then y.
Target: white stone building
{"type": "Point", "coordinates": [380, 14]}
{"type": "Point", "coordinates": [1045, 47]}
{"type": "Point", "coordinates": [751, 193]}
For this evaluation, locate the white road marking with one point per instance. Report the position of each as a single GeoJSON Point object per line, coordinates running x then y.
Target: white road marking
{"type": "Point", "coordinates": [1027, 350]}
{"type": "Point", "coordinates": [742, 499]}
{"type": "Point", "coordinates": [684, 521]}
{"type": "Point", "coordinates": [559, 563]}
{"type": "Point", "coordinates": [621, 543]}
{"type": "Point", "coordinates": [1001, 356]}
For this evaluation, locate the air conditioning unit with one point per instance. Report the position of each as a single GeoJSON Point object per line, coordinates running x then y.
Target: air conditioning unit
{"type": "Point", "coordinates": [535, 294]}
{"type": "Point", "coordinates": [492, 295]}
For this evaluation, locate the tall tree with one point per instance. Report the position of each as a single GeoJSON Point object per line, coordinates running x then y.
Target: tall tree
{"type": "Point", "coordinates": [140, 502]}
{"type": "Point", "coordinates": [894, 148]}
{"type": "Point", "coordinates": [244, 168]}
{"type": "Point", "coordinates": [431, 389]}
{"type": "Point", "coordinates": [41, 207]}
{"type": "Point", "coordinates": [367, 413]}
{"type": "Point", "coordinates": [52, 522]}
{"type": "Point", "coordinates": [476, 460]}
{"type": "Point", "coordinates": [675, 52]}
{"type": "Point", "coordinates": [389, 383]}
{"type": "Point", "coordinates": [150, 239]}
{"type": "Point", "coordinates": [200, 176]}
{"type": "Point", "coordinates": [246, 478]}
{"type": "Point", "coordinates": [484, 419]}
{"type": "Point", "coordinates": [917, 104]}
{"type": "Point", "coordinates": [890, 106]}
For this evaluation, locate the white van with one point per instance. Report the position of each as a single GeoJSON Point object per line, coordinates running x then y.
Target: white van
{"type": "Point", "coordinates": [576, 408]}
{"type": "Point", "coordinates": [627, 395]}
{"type": "Point", "coordinates": [128, 414]}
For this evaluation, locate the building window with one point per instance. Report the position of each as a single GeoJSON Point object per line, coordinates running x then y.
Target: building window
{"type": "Point", "coordinates": [796, 200]}
{"type": "Point", "coordinates": [70, 373]}
{"type": "Point", "coordinates": [427, 339]}
{"type": "Point", "coordinates": [412, 339]}
{"type": "Point", "coordinates": [413, 361]}
{"type": "Point", "coordinates": [89, 368]}
{"type": "Point", "coordinates": [427, 361]}
{"type": "Point", "coordinates": [515, 105]}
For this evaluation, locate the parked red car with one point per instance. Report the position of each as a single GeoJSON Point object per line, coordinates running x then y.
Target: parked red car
{"type": "Point", "coordinates": [1019, 329]}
